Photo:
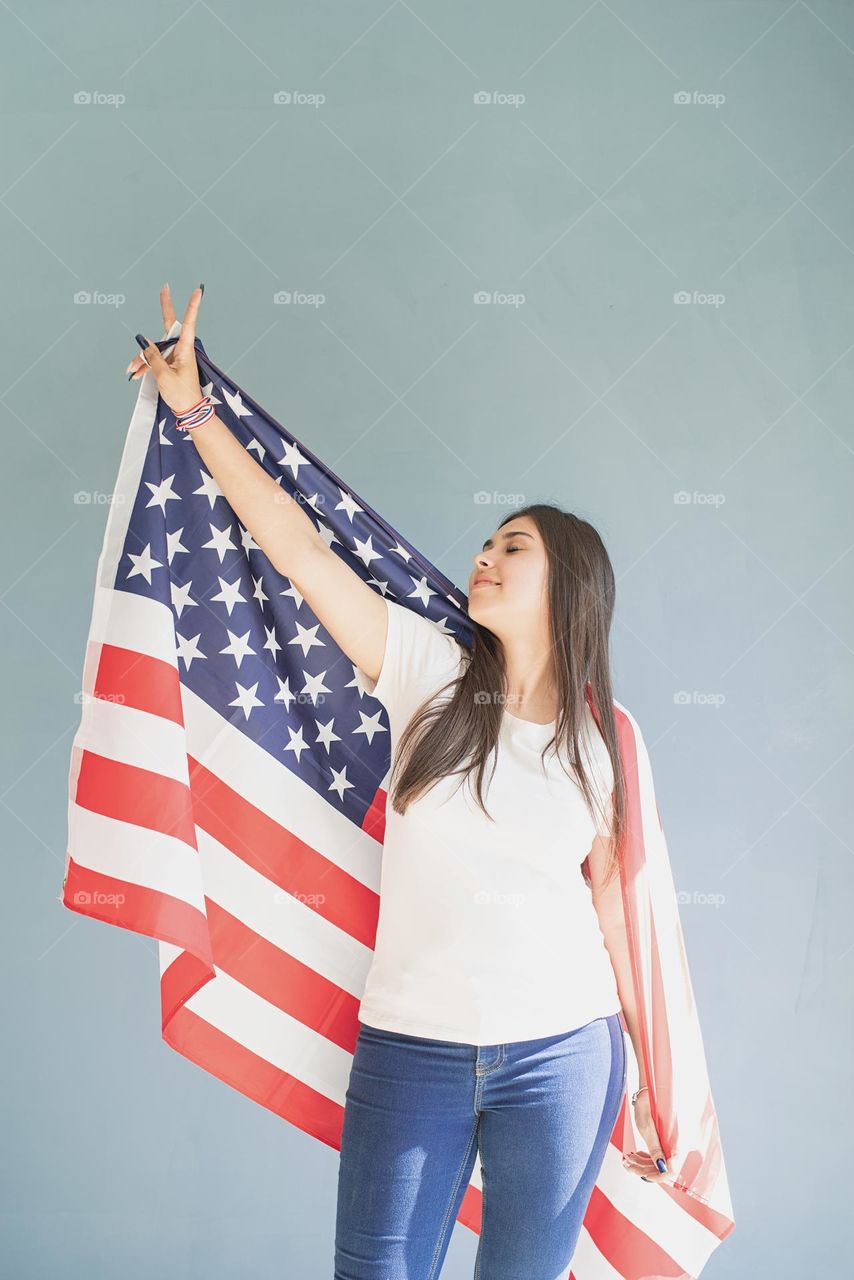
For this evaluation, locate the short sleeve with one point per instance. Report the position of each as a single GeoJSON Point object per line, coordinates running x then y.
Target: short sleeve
{"type": "Point", "coordinates": [601, 773]}
{"type": "Point", "coordinates": [419, 658]}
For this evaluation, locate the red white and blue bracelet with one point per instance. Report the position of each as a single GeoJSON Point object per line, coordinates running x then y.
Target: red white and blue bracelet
{"type": "Point", "coordinates": [196, 414]}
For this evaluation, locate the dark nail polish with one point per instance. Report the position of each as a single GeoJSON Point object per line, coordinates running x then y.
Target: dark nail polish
{"type": "Point", "coordinates": [643, 1179]}
{"type": "Point", "coordinates": [202, 287]}
{"type": "Point", "coordinates": [662, 1166]}
{"type": "Point", "coordinates": [130, 375]}
{"type": "Point", "coordinates": [143, 342]}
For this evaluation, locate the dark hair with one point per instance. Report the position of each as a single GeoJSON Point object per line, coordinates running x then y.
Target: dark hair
{"type": "Point", "coordinates": [456, 734]}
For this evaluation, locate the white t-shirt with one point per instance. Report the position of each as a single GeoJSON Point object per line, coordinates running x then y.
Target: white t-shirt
{"type": "Point", "coordinates": [487, 932]}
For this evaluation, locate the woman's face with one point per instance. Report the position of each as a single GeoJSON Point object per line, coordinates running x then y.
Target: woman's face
{"type": "Point", "coordinates": [514, 564]}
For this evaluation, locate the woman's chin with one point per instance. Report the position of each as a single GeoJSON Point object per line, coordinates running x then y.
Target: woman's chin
{"type": "Point", "coordinates": [479, 608]}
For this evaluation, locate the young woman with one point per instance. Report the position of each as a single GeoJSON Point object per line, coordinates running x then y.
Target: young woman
{"type": "Point", "coordinates": [490, 1020]}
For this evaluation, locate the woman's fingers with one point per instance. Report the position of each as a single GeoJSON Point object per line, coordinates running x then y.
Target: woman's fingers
{"type": "Point", "coordinates": [151, 355]}
{"type": "Point", "coordinates": [167, 309]}
{"type": "Point", "coordinates": [641, 1163]}
{"type": "Point", "coordinates": [137, 366]}
{"type": "Point", "coordinates": [187, 339]}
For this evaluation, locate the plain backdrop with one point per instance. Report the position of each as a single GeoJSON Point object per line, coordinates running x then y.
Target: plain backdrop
{"type": "Point", "coordinates": [654, 200]}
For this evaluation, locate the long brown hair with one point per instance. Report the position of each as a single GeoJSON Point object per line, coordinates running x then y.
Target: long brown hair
{"type": "Point", "coordinates": [456, 734]}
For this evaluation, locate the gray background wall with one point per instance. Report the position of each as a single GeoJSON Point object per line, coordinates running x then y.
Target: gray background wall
{"type": "Point", "coordinates": [709, 439]}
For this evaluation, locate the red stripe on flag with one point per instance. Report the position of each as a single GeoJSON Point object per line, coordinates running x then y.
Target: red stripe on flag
{"type": "Point", "coordinates": [280, 856]}
{"type": "Point", "coordinates": [179, 982]}
{"type": "Point", "coordinates": [471, 1209]}
{"type": "Point", "coordinates": [630, 1251]}
{"type": "Point", "coordinates": [374, 820]}
{"type": "Point", "coordinates": [130, 906]}
{"type": "Point", "coordinates": [137, 680]}
{"type": "Point", "coordinates": [131, 794]}
{"type": "Point", "coordinates": [255, 1078]}
{"type": "Point", "coordinates": [282, 980]}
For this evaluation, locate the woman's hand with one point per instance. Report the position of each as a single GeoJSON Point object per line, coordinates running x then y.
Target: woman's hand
{"type": "Point", "coordinates": [643, 1162]}
{"type": "Point", "coordinates": [177, 375]}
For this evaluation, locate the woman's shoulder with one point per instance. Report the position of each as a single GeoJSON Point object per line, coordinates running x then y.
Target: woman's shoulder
{"type": "Point", "coordinates": [421, 655]}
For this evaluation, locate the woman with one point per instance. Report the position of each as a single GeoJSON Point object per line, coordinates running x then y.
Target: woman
{"type": "Point", "coordinates": [490, 1018]}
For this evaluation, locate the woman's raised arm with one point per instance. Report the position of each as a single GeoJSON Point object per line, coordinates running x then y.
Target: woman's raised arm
{"type": "Point", "coordinates": [351, 611]}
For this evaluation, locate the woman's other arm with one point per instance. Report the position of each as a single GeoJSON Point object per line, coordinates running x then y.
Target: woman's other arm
{"type": "Point", "coordinates": [608, 901]}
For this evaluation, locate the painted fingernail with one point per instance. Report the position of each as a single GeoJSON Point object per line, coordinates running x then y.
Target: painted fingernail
{"type": "Point", "coordinates": [202, 287]}
{"type": "Point", "coordinates": [130, 375]}
{"type": "Point", "coordinates": [643, 1179]}
{"type": "Point", "coordinates": [143, 341]}
{"type": "Point", "coordinates": [661, 1164]}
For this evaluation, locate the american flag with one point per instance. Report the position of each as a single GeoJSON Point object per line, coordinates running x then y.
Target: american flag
{"type": "Point", "coordinates": [227, 797]}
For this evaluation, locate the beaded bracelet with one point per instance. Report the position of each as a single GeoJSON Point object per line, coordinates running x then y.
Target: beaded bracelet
{"type": "Point", "coordinates": [637, 1091]}
{"type": "Point", "coordinates": [196, 414]}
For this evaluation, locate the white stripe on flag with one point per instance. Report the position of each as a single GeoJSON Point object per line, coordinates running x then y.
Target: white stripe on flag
{"type": "Point", "coordinates": [136, 855]}
{"type": "Point", "coordinates": [279, 792]}
{"type": "Point", "coordinates": [134, 622]}
{"type": "Point", "coordinates": [278, 916]}
{"type": "Point", "coordinates": [136, 738]}
{"type": "Point", "coordinates": [688, 1241]}
{"type": "Point", "coordinates": [274, 1035]}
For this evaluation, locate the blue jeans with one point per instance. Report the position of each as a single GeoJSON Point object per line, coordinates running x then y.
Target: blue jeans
{"type": "Point", "coordinates": [538, 1112]}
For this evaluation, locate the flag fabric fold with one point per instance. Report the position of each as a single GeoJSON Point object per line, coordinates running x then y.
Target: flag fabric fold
{"type": "Point", "coordinates": [227, 798]}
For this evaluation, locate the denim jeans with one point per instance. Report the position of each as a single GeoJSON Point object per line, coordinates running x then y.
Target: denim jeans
{"type": "Point", "coordinates": [417, 1111]}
